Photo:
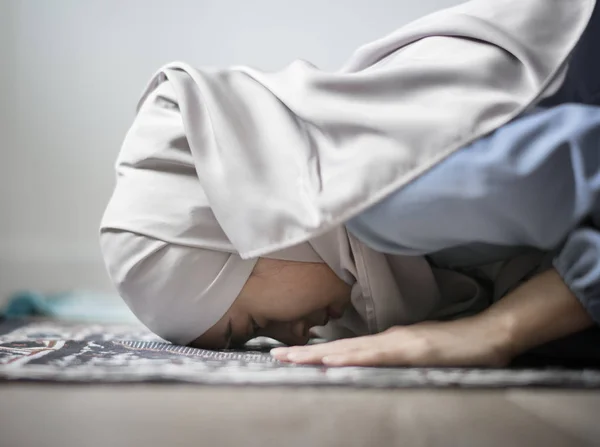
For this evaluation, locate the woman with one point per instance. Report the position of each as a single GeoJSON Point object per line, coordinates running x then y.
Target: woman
{"type": "Point", "coordinates": [228, 217]}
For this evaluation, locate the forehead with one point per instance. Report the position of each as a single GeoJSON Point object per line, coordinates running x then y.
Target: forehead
{"type": "Point", "coordinates": [214, 338]}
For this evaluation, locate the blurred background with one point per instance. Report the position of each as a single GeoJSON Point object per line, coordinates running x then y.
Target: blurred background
{"type": "Point", "coordinates": [71, 73]}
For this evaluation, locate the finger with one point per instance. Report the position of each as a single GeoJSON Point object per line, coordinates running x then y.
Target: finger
{"type": "Point", "coordinates": [338, 346]}
{"type": "Point", "coordinates": [365, 358]}
{"type": "Point", "coordinates": [307, 358]}
{"type": "Point", "coordinates": [304, 358]}
{"type": "Point", "coordinates": [304, 355]}
{"type": "Point", "coordinates": [310, 355]}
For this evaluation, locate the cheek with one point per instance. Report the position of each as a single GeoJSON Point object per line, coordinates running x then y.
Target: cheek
{"type": "Point", "coordinates": [290, 293]}
{"type": "Point", "coordinates": [282, 301]}
{"type": "Point", "coordinates": [289, 305]}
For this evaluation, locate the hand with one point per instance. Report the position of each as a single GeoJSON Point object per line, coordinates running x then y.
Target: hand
{"type": "Point", "coordinates": [465, 342]}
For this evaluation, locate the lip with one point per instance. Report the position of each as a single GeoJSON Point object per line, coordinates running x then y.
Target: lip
{"type": "Point", "coordinates": [329, 314]}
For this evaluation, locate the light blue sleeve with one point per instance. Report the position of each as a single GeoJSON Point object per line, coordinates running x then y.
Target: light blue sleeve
{"type": "Point", "coordinates": [531, 183]}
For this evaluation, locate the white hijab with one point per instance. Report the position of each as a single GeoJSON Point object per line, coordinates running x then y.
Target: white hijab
{"type": "Point", "coordinates": [223, 166]}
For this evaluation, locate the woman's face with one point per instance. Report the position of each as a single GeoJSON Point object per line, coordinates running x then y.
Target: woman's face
{"type": "Point", "coordinates": [281, 300]}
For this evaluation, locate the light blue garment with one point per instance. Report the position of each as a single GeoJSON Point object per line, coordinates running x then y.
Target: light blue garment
{"type": "Point", "coordinates": [532, 183]}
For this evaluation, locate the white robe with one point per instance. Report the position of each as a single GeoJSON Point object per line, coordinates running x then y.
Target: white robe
{"type": "Point", "coordinates": [324, 146]}
{"type": "Point", "coordinates": [234, 164]}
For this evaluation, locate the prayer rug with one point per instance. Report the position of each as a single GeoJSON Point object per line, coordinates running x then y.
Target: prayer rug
{"type": "Point", "coordinates": [53, 351]}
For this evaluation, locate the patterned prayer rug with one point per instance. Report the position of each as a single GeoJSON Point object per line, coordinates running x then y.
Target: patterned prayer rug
{"type": "Point", "coordinates": [53, 351]}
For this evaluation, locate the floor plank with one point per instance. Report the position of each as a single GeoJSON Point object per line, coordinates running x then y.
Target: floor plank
{"type": "Point", "coordinates": [576, 412]}
{"type": "Point", "coordinates": [159, 415]}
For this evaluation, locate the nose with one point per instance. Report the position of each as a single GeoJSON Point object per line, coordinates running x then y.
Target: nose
{"type": "Point", "coordinates": [299, 329]}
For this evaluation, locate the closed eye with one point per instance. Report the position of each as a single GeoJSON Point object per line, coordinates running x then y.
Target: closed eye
{"type": "Point", "coordinates": [240, 340]}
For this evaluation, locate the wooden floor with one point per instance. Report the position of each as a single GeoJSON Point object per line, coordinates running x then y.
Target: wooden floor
{"type": "Point", "coordinates": [173, 415]}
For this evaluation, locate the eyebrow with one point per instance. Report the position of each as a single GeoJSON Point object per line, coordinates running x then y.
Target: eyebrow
{"type": "Point", "coordinates": [228, 335]}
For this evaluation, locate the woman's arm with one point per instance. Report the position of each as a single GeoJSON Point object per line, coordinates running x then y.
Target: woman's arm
{"type": "Point", "coordinates": [540, 310]}
{"type": "Point", "coordinates": [533, 183]}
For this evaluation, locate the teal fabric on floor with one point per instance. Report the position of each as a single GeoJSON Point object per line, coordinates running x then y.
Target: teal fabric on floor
{"type": "Point", "coordinates": [70, 306]}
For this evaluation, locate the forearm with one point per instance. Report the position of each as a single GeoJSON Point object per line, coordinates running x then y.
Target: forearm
{"type": "Point", "coordinates": [541, 310]}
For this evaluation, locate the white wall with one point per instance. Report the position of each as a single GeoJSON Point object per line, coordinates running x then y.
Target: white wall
{"type": "Point", "coordinates": [70, 75]}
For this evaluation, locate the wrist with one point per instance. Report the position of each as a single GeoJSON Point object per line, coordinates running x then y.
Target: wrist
{"type": "Point", "coordinates": [492, 340]}
{"type": "Point", "coordinates": [538, 311]}
{"type": "Point", "coordinates": [502, 332]}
